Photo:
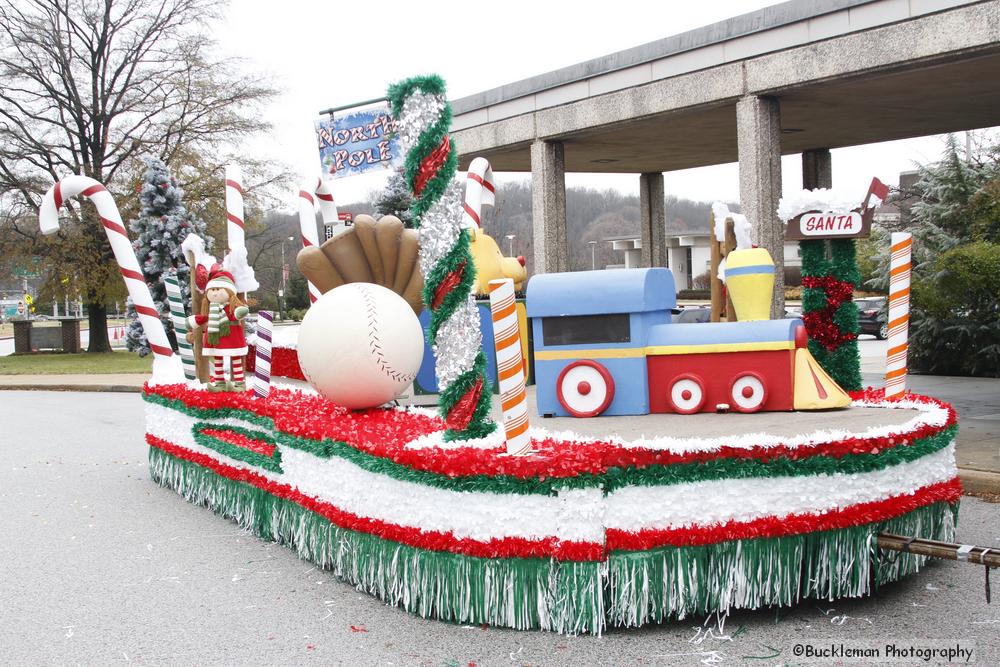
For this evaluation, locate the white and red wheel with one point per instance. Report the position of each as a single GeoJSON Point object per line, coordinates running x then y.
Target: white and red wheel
{"type": "Point", "coordinates": [585, 388]}
{"type": "Point", "coordinates": [748, 392]}
{"type": "Point", "coordinates": [687, 394]}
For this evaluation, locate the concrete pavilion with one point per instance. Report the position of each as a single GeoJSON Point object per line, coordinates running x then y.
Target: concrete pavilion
{"type": "Point", "coordinates": [803, 77]}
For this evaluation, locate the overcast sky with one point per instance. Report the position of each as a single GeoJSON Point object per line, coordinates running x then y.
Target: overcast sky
{"type": "Point", "coordinates": [326, 54]}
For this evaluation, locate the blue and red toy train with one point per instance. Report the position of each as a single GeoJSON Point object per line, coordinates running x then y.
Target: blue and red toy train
{"type": "Point", "coordinates": [604, 344]}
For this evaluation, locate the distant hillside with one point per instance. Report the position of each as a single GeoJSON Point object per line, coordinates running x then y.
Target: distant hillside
{"type": "Point", "coordinates": [591, 215]}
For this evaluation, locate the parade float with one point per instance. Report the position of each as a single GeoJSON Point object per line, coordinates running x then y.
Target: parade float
{"type": "Point", "coordinates": [572, 528]}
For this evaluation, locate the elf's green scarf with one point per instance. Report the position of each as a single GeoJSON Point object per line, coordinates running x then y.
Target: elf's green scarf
{"type": "Point", "coordinates": [218, 323]}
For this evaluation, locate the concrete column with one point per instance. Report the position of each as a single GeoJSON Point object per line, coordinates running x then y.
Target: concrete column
{"type": "Point", "coordinates": [652, 220]}
{"type": "Point", "coordinates": [548, 207]}
{"type": "Point", "coordinates": [817, 169]}
{"type": "Point", "coordinates": [758, 131]}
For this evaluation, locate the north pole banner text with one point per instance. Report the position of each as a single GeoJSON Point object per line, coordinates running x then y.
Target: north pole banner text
{"type": "Point", "coordinates": [358, 142]}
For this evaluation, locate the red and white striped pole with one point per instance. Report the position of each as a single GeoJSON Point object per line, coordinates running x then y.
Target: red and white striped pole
{"type": "Point", "coordinates": [128, 263]}
{"type": "Point", "coordinates": [478, 191]}
{"type": "Point", "coordinates": [235, 231]}
{"type": "Point", "coordinates": [899, 314]}
{"type": "Point", "coordinates": [310, 192]}
{"type": "Point", "coordinates": [510, 366]}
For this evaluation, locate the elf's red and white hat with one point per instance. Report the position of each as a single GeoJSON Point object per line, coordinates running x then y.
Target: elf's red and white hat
{"type": "Point", "coordinates": [215, 278]}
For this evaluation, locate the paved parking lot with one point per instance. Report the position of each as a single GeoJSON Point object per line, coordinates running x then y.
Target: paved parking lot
{"type": "Point", "coordinates": [102, 566]}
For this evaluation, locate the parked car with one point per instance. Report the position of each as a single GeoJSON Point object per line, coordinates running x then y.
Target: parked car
{"type": "Point", "coordinates": [692, 314]}
{"type": "Point", "coordinates": [872, 317]}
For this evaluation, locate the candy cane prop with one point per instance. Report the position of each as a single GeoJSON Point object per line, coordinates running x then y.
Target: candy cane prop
{"type": "Point", "coordinates": [262, 364]}
{"type": "Point", "coordinates": [510, 366]}
{"type": "Point", "coordinates": [235, 232]}
{"type": "Point", "coordinates": [309, 192]}
{"type": "Point", "coordinates": [128, 264]}
{"type": "Point", "coordinates": [478, 191]}
{"type": "Point", "coordinates": [178, 315]}
{"type": "Point", "coordinates": [899, 314]}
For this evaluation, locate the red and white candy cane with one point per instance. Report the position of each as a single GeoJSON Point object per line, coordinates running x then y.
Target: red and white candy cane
{"type": "Point", "coordinates": [310, 192]}
{"type": "Point", "coordinates": [899, 313]}
{"type": "Point", "coordinates": [510, 366]}
{"type": "Point", "coordinates": [235, 231]}
{"type": "Point", "coordinates": [478, 191]}
{"type": "Point", "coordinates": [128, 264]}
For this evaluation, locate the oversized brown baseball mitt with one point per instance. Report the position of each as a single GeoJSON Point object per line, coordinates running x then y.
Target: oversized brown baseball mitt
{"type": "Point", "coordinates": [380, 252]}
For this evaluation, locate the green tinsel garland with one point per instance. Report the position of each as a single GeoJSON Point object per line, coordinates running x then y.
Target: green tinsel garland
{"type": "Point", "coordinates": [464, 403]}
{"type": "Point", "coordinates": [614, 478]}
{"type": "Point", "coordinates": [843, 362]}
{"type": "Point", "coordinates": [630, 589]}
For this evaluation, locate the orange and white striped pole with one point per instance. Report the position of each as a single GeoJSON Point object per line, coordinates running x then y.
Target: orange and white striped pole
{"type": "Point", "coordinates": [899, 314]}
{"type": "Point", "coordinates": [510, 366]}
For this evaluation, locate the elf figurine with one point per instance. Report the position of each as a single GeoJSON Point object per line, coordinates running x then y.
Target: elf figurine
{"type": "Point", "coordinates": [221, 320]}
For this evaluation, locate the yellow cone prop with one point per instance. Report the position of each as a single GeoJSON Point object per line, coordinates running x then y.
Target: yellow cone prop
{"type": "Point", "coordinates": [750, 281]}
{"type": "Point", "coordinates": [814, 389]}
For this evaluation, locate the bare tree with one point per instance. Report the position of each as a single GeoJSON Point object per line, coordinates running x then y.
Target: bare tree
{"type": "Point", "coordinates": [88, 86]}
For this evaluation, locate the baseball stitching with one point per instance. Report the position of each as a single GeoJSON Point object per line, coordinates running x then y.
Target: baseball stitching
{"type": "Point", "coordinates": [375, 344]}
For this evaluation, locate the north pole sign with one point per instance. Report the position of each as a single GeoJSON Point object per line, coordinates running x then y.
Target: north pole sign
{"type": "Point", "coordinates": [830, 225]}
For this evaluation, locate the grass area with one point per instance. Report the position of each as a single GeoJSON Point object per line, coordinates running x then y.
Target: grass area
{"type": "Point", "coordinates": [56, 363]}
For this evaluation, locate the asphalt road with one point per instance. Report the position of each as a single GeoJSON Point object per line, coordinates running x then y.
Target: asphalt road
{"type": "Point", "coordinates": [98, 565]}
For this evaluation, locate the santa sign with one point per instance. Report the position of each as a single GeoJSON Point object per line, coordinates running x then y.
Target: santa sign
{"type": "Point", "coordinates": [855, 224]}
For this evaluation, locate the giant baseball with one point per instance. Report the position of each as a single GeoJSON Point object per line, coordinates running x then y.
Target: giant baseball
{"type": "Point", "coordinates": [360, 345]}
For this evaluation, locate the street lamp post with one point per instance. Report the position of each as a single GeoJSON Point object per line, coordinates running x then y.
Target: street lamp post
{"type": "Point", "coordinates": [510, 244]}
{"type": "Point", "coordinates": [284, 272]}
{"type": "Point", "coordinates": [593, 254]}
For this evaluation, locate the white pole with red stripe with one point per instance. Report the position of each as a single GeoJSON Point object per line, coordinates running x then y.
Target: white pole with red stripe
{"type": "Point", "coordinates": [510, 366]}
{"type": "Point", "coordinates": [310, 192]}
{"type": "Point", "coordinates": [128, 263]}
{"type": "Point", "coordinates": [899, 313]}
{"type": "Point", "coordinates": [235, 231]}
{"type": "Point", "coordinates": [479, 191]}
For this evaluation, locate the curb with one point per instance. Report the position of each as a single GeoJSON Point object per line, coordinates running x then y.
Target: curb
{"type": "Point", "coordinates": [121, 388]}
{"type": "Point", "coordinates": [979, 481]}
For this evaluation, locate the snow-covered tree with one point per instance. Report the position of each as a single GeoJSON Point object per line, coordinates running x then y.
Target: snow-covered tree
{"type": "Point", "coordinates": [395, 200]}
{"type": "Point", "coordinates": [157, 234]}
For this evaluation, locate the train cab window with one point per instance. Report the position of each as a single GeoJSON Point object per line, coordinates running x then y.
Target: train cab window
{"type": "Point", "coordinates": [586, 329]}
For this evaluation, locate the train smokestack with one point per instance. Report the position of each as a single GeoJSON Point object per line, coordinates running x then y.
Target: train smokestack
{"type": "Point", "coordinates": [750, 281]}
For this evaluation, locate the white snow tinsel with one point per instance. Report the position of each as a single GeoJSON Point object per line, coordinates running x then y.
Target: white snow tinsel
{"type": "Point", "coordinates": [236, 263]}
{"type": "Point", "coordinates": [823, 200]}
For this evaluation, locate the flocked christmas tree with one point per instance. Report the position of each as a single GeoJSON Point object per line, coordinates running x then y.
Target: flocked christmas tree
{"type": "Point", "coordinates": [395, 199]}
{"type": "Point", "coordinates": [157, 234]}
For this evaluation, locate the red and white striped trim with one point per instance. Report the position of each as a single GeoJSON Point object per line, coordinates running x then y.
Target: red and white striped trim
{"type": "Point", "coordinates": [235, 229]}
{"type": "Point", "coordinates": [479, 191]}
{"type": "Point", "coordinates": [310, 192]}
{"type": "Point", "coordinates": [121, 246]}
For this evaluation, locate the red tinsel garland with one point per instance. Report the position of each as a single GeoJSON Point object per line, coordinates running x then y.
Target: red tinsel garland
{"type": "Point", "coordinates": [507, 547]}
{"type": "Point", "coordinates": [819, 323]}
{"type": "Point", "coordinates": [615, 540]}
{"type": "Point", "coordinates": [431, 165]}
{"type": "Point", "coordinates": [284, 362]}
{"type": "Point", "coordinates": [794, 524]}
{"type": "Point", "coordinates": [240, 440]}
{"type": "Point", "coordinates": [385, 434]}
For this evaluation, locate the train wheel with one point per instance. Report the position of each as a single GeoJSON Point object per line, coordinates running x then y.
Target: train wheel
{"type": "Point", "coordinates": [748, 392]}
{"type": "Point", "coordinates": [585, 388]}
{"type": "Point", "coordinates": [687, 394]}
